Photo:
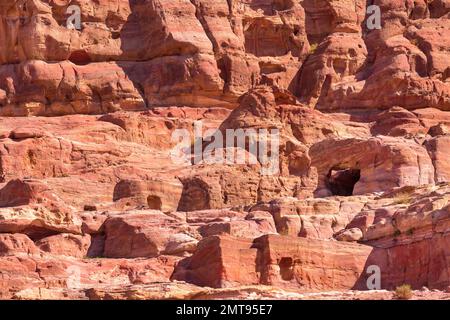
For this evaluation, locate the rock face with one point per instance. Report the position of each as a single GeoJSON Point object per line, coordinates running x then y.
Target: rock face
{"type": "Point", "coordinates": [406, 236]}
{"type": "Point", "coordinates": [157, 194]}
{"type": "Point", "coordinates": [274, 260]}
{"type": "Point", "coordinates": [207, 54]}
{"type": "Point", "coordinates": [198, 53]}
{"type": "Point", "coordinates": [404, 63]}
{"type": "Point", "coordinates": [144, 235]}
{"type": "Point", "coordinates": [99, 199]}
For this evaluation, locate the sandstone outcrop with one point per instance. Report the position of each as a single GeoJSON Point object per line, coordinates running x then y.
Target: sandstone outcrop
{"type": "Point", "coordinates": [99, 201]}
{"type": "Point", "coordinates": [274, 260]}
{"type": "Point", "coordinates": [199, 54]}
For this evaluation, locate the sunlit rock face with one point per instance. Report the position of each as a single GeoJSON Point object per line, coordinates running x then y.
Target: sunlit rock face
{"type": "Point", "coordinates": [134, 54]}
{"type": "Point", "coordinates": [96, 203]}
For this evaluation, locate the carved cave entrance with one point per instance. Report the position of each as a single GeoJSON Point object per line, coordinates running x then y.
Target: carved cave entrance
{"type": "Point", "coordinates": [341, 182]}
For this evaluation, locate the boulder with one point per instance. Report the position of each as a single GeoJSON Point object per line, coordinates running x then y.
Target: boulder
{"type": "Point", "coordinates": [66, 244]}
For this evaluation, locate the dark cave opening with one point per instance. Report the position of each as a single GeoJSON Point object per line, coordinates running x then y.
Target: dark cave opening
{"type": "Point", "coordinates": [80, 57]}
{"type": "Point", "coordinates": [154, 202]}
{"type": "Point", "coordinates": [286, 265]}
{"type": "Point", "coordinates": [341, 182]}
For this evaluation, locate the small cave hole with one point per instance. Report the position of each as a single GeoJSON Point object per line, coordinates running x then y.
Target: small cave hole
{"type": "Point", "coordinates": [154, 202]}
{"type": "Point", "coordinates": [80, 57]}
{"type": "Point", "coordinates": [115, 35]}
{"type": "Point", "coordinates": [341, 182]}
{"type": "Point", "coordinates": [286, 265]}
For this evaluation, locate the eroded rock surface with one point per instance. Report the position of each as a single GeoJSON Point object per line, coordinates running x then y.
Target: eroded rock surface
{"type": "Point", "coordinates": [94, 204]}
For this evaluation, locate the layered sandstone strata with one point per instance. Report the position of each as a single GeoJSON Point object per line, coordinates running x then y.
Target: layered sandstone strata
{"type": "Point", "coordinates": [94, 205]}
{"type": "Point", "coordinates": [199, 53]}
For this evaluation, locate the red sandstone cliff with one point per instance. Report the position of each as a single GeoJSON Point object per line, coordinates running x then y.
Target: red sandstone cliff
{"type": "Point", "coordinates": [92, 205]}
